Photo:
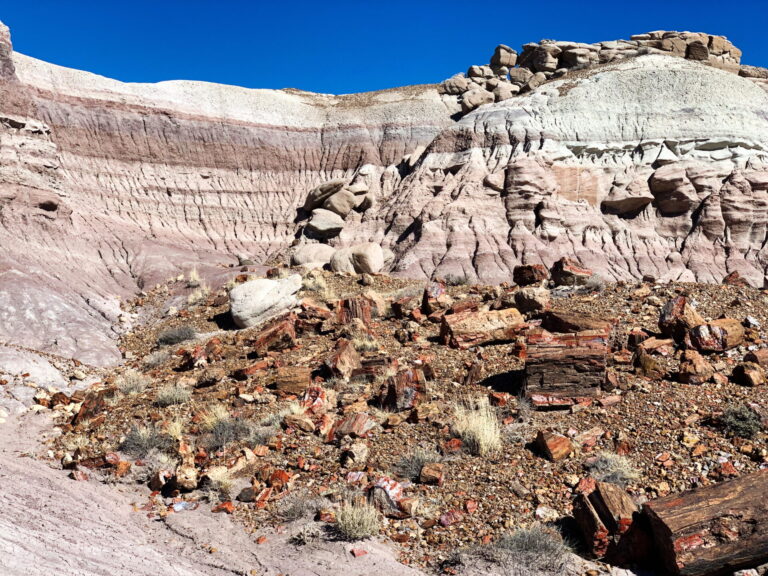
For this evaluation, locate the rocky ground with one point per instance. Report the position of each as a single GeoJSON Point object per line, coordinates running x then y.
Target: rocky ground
{"type": "Point", "coordinates": [362, 387]}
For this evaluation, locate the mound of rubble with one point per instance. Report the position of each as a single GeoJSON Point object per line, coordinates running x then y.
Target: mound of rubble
{"type": "Point", "coordinates": [631, 412]}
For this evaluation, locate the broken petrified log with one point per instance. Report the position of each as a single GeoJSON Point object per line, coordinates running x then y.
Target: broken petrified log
{"type": "Point", "coordinates": [602, 515]}
{"type": "Point", "coordinates": [279, 334]}
{"type": "Point", "coordinates": [677, 317]}
{"type": "Point", "coordinates": [344, 359]}
{"type": "Point", "coordinates": [474, 328]}
{"type": "Point", "coordinates": [404, 390]}
{"type": "Point", "coordinates": [529, 274]}
{"type": "Point", "coordinates": [292, 379]}
{"type": "Point", "coordinates": [717, 336]}
{"type": "Point", "coordinates": [570, 322]}
{"type": "Point", "coordinates": [714, 530]}
{"type": "Point", "coordinates": [565, 369]}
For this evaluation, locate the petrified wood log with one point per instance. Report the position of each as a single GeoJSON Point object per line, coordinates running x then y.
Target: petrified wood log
{"type": "Point", "coordinates": [474, 328]}
{"type": "Point", "coordinates": [603, 514]}
{"type": "Point", "coordinates": [714, 530]}
{"type": "Point", "coordinates": [565, 369]}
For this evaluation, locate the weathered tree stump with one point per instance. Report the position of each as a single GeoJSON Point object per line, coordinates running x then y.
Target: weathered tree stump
{"type": "Point", "coordinates": [565, 369]}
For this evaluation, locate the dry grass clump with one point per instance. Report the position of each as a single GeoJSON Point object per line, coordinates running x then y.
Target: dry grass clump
{"type": "Point", "coordinates": [131, 382]}
{"type": "Point", "coordinates": [307, 534]}
{"type": "Point", "coordinates": [357, 520]}
{"type": "Point", "coordinates": [198, 295]}
{"type": "Point", "coordinates": [478, 428]}
{"type": "Point", "coordinates": [224, 429]}
{"type": "Point", "coordinates": [613, 468]}
{"type": "Point", "coordinates": [193, 278]}
{"type": "Point", "coordinates": [170, 395]}
{"type": "Point", "coordinates": [156, 359]}
{"type": "Point", "coordinates": [314, 282]}
{"type": "Point", "coordinates": [176, 335]}
{"type": "Point", "coordinates": [300, 504]}
{"type": "Point", "coordinates": [141, 440]}
{"type": "Point", "coordinates": [218, 483]}
{"type": "Point", "coordinates": [366, 344]}
{"type": "Point", "coordinates": [534, 550]}
{"type": "Point", "coordinates": [411, 464]}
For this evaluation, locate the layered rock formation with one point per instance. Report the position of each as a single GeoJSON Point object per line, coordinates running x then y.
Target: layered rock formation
{"type": "Point", "coordinates": [648, 164]}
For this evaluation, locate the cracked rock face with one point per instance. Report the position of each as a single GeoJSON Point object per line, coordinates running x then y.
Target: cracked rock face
{"type": "Point", "coordinates": [648, 165]}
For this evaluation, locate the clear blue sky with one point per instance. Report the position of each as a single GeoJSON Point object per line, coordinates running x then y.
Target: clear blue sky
{"type": "Point", "coordinates": [341, 46]}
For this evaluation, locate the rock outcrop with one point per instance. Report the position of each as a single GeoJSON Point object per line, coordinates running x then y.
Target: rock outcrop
{"type": "Point", "coordinates": [621, 158]}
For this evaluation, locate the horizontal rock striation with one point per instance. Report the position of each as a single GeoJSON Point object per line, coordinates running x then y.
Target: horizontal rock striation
{"type": "Point", "coordinates": [636, 164]}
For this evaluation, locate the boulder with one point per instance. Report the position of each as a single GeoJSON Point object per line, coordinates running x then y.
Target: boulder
{"type": "Point", "coordinates": [456, 85]}
{"type": "Point", "coordinates": [475, 98]}
{"type": "Point", "coordinates": [505, 91]}
{"type": "Point", "coordinates": [532, 299]}
{"type": "Point", "coordinates": [566, 272]}
{"type": "Point", "coordinates": [520, 76]}
{"type": "Point", "coordinates": [365, 258]}
{"type": "Point", "coordinates": [318, 194]}
{"type": "Point", "coordinates": [324, 223]}
{"type": "Point", "coordinates": [504, 56]}
{"type": "Point", "coordinates": [342, 203]}
{"type": "Point", "coordinates": [312, 255]}
{"type": "Point", "coordinates": [253, 302]}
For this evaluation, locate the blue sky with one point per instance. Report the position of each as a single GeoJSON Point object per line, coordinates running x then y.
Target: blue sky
{"type": "Point", "coordinates": [341, 46]}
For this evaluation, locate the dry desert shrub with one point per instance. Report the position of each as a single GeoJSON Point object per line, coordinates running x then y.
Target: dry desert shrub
{"type": "Point", "coordinates": [141, 440]}
{"type": "Point", "coordinates": [411, 464]}
{"type": "Point", "coordinates": [613, 468]}
{"type": "Point", "coordinates": [171, 395]}
{"type": "Point", "coordinates": [175, 335]}
{"type": "Point", "coordinates": [357, 520]}
{"type": "Point", "coordinates": [131, 382]}
{"type": "Point", "coordinates": [740, 420]}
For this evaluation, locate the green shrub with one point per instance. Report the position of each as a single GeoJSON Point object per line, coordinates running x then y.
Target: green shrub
{"type": "Point", "coordinates": [740, 420]}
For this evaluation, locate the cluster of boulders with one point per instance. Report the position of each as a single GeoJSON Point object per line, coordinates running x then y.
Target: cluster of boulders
{"type": "Point", "coordinates": [328, 206]}
{"type": "Point", "coordinates": [510, 73]}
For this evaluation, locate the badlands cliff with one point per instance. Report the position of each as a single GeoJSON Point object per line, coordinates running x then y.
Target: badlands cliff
{"type": "Point", "coordinates": [645, 157]}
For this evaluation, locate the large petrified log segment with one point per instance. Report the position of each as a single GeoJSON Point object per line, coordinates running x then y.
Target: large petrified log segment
{"type": "Point", "coordinates": [474, 328]}
{"type": "Point", "coordinates": [565, 369]}
{"type": "Point", "coordinates": [714, 530]}
{"type": "Point", "coordinates": [604, 513]}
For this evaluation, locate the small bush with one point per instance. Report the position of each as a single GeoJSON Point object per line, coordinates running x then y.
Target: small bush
{"type": "Point", "coordinates": [314, 282]}
{"type": "Point", "coordinates": [536, 549]}
{"type": "Point", "coordinates": [300, 504]}
{"type": "Point", "coordinates": [175, 335]}
{"type": "Point", "coordinates": [366, 344]}
{"type": "Point", "coordinates": [224, 429]}
{"type": "Point", "coordinates": [131, 382]}
{"type": "Point", "coordinates": [613, 468]}
{"type": "Point", "coordinates": [156, 359]}
{"type": "Point", "coordinates": [478, 428]}
{"type": "Point", "coordinates": [456, 280]}
{"type": "Point", "coordinates": [198, 295]}
{"type": "Point", "coordinates": [307, 534]}
{"type": "Point", "coordinates": [218, 483]}
{"type": "Point", "coordinates": [170, 395]}
{"type": "Point", "coordinates": [141, 440]}
{"type": "Point", "coordinates": [740, 420]}
{"type": "Point", "coordinates": [411, 464]}
{"type": "Point", "coordinates": [357, 520]}
{"type": "Point", "coordinates": [193, 278]}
